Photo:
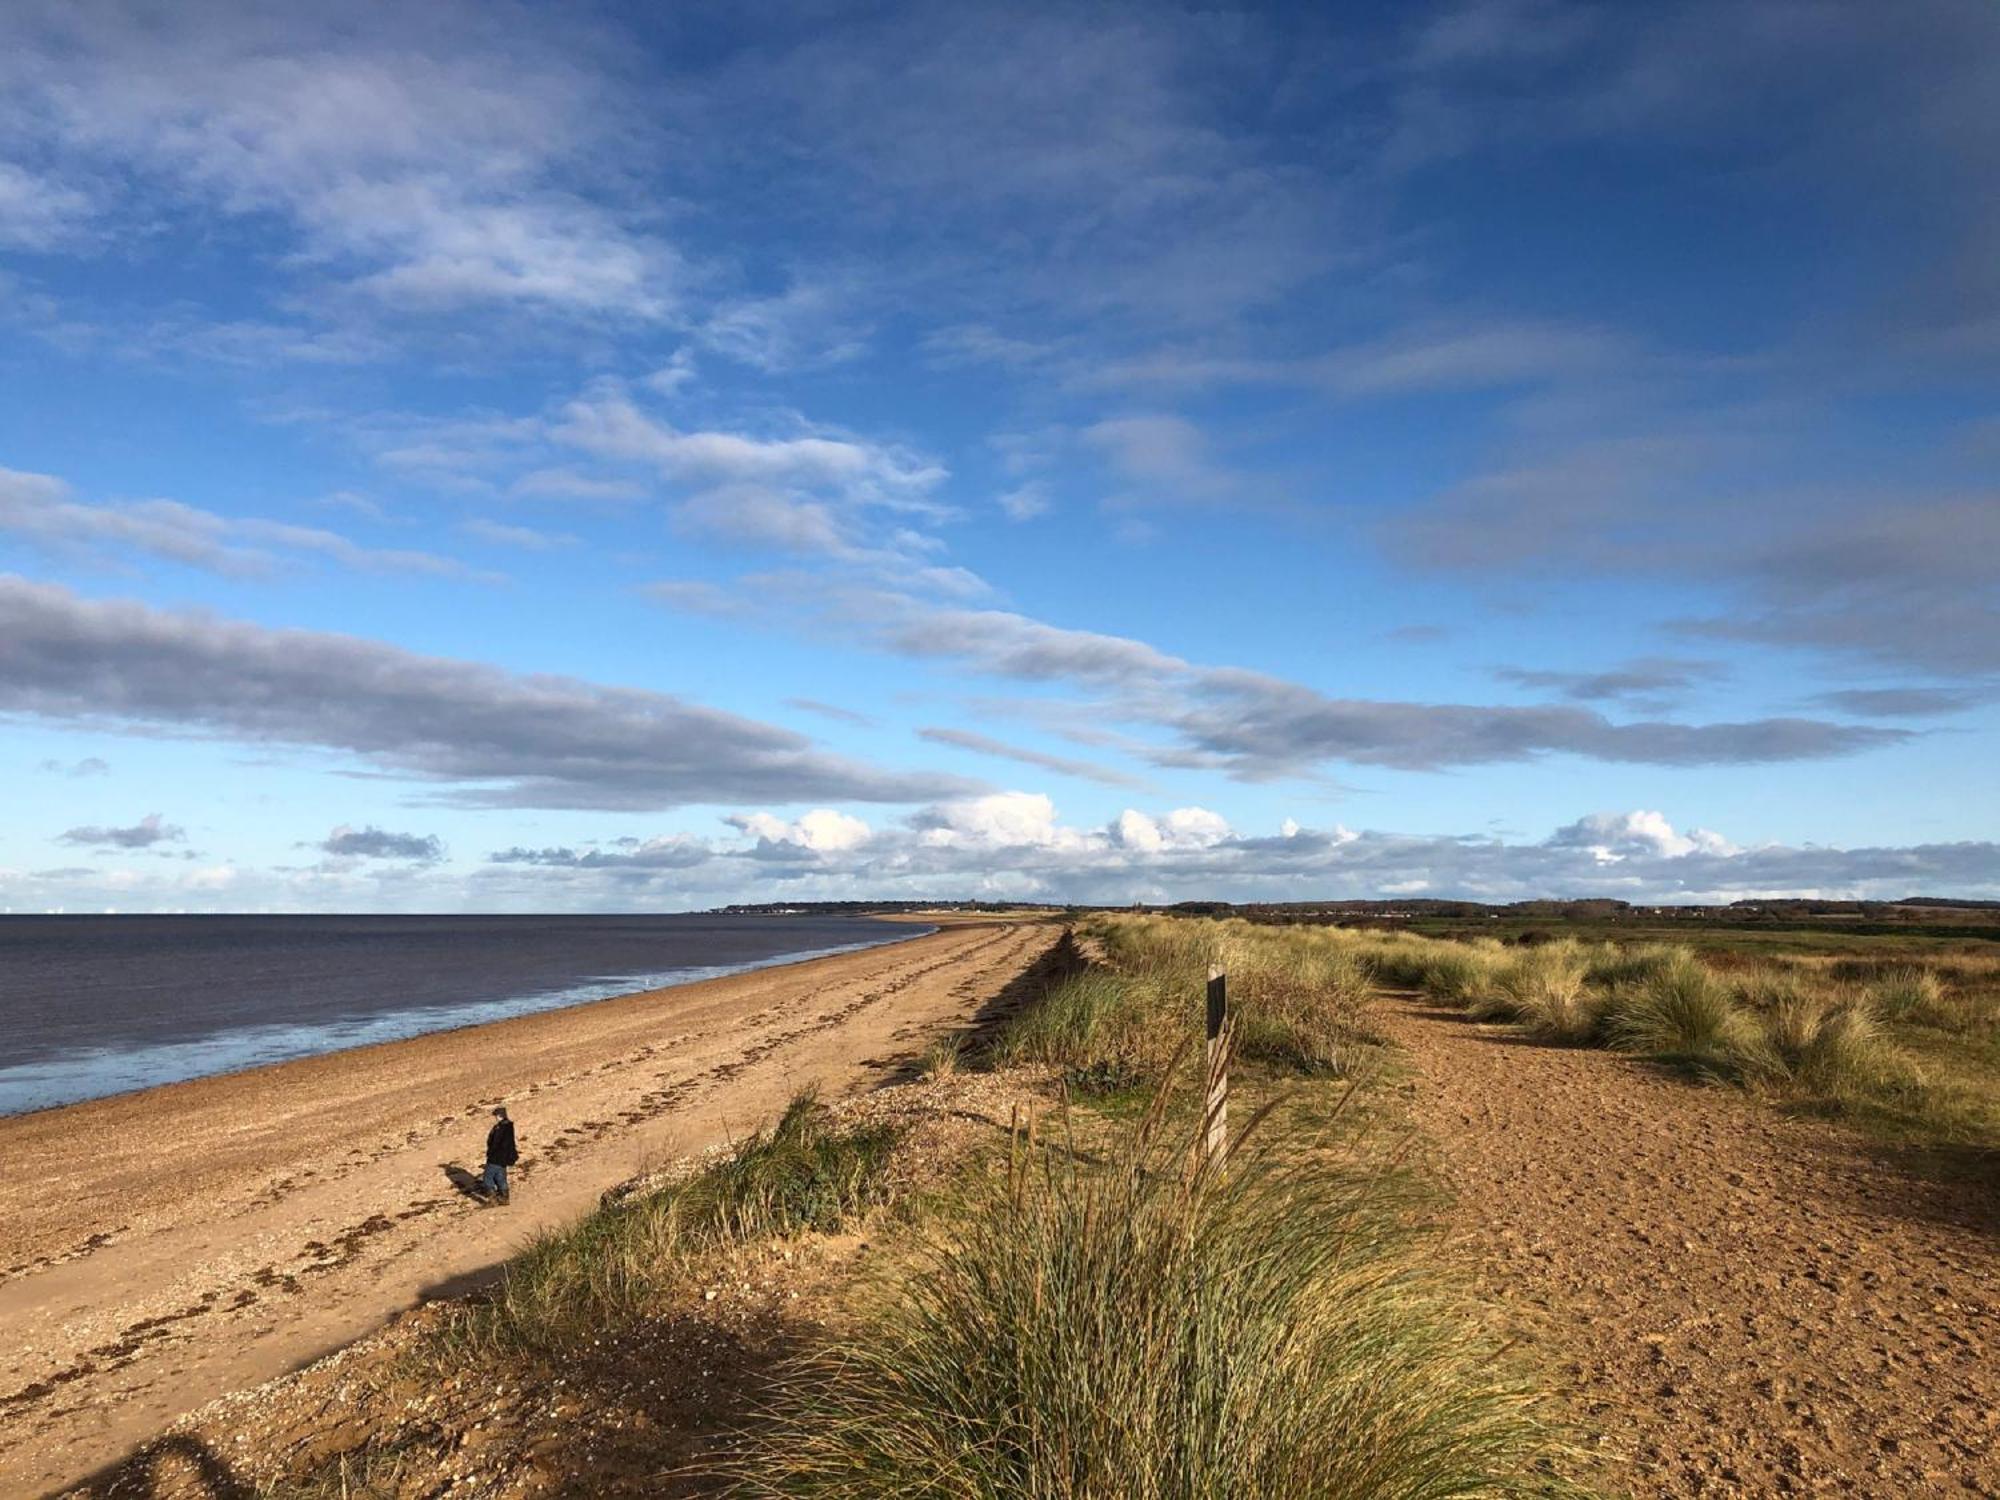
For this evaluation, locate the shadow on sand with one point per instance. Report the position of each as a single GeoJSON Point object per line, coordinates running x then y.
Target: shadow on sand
{"type": "Point", "coordinates": [1062, 959]}
{"type": "Point", "coordinates": [179, 1465]}
{"type": "Point", "coordinates": [466, 1182]}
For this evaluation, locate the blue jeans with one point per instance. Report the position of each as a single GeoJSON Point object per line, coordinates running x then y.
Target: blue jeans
{"type": "Point", "coordinates": [494, 1179]}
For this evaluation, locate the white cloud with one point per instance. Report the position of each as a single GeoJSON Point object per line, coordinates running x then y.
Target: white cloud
{"type": "Point", "coordinates": [1612, 837]}
{"type": "Point", "coordinates": [761, 516]}
{"type": "Point", "coordinates": [1183, 828]}
{"type": "Point", "coordinates": [695, 596]}
{"type": "Point", "coordinates": [1015, 845]}
{"type": "Point", "coordinates": [567, 484]}
{"type": "Point", "coordinates": [1000, 820]}
{"type": "Point", "coordinates": [1165, 459]}
{"type": "Point", "coordinates": [823, 830]}
{"type": "Point", "coordinates": [607, 422]}
{"type": "Point", "coordinates": [808, 325]}
{"type": "Point", "coordinates": [984, 744]}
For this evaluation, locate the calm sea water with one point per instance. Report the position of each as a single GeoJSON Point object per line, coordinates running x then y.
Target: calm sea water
{"type": "Point", "coordinates": [91, 1006]}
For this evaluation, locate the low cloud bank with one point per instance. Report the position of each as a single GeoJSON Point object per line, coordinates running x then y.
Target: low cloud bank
{"type": "Point", "coordinates": [1014, 844]}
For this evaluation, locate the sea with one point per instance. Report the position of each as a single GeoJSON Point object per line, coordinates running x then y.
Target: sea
{"type": "Point", "coordinates": [98, 1005]}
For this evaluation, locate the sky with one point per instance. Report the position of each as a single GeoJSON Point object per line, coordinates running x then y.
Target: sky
{"type": "Point", "coordinates": [506, 457]}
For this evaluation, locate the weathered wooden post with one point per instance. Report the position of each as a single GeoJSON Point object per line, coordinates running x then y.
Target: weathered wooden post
{"type": "Point", "coordinates": [1217, 1134]}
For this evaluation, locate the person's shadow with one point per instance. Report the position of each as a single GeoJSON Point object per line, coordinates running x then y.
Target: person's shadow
{"type": "Point", "coordinates": [179, 1464]}
{"type": "Point", "coordinates": [466, 1182]}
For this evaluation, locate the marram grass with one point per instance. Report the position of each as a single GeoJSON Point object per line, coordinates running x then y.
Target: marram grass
{"type": "Point", "coordinates": [1137, 1328]}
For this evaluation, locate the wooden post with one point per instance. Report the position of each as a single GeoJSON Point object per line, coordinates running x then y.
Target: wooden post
{"type": "Point", "coordinates": [1217, 1134]}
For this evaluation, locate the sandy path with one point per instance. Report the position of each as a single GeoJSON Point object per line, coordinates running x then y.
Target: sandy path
{"type": "Point", "coordinates": [162, 1248]}
{"type": "Point", "coordinates": [1743, 1304]}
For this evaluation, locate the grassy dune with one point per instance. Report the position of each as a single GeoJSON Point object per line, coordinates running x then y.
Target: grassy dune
{"type": "Point", "coordinates": [1909, 1046]}
{"type": "Point", "coordinates": [1109, 1316]}
{"type": "Point", "coordinates": [1083, 1307]}
{"type": "Point", "coordinates": [1906, 1043]}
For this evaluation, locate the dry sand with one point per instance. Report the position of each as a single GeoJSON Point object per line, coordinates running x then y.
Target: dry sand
{"type": "Point", "coordinates": [1739, 1303]}
{"type": "Point", "coordinates": [161, 1248]}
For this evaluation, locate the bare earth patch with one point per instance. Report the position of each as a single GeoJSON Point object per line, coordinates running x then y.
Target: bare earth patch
{"type": "Point", "coordinates": [1739, 1302]}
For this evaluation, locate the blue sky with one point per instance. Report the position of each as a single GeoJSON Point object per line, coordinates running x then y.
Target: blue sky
{"type": "Point", "coordinates": [502, 457]}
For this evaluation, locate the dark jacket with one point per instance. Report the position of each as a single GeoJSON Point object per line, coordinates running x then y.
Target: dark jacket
{"type": "Point", "coordinates": [500, 1144]}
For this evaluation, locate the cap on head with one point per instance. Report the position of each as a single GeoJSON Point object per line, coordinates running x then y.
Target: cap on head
{"type": "Point", "coordinates": [500, 1110]}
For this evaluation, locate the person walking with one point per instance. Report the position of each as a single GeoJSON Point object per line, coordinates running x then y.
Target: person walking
{"type": "Point", "coordinates": [501, 1154]}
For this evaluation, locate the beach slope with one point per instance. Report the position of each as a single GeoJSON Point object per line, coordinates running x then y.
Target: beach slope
{"type": "Point", "coordinates": [164, 1247]}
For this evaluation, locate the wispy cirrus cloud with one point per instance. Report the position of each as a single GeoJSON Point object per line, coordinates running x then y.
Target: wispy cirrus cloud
{"type": "Point", "coordinates": [523, 538]}
{"type": "Point", "coordinates": [607, 421]}
{"type": "Point", "coordinates": [425, 162]}
{"type": "Point", "coordinates": [77, 770]}
{"type": "Point", "coordinates": [832, 711]}
{"type": "Point", "coordinates": [1430, 353]}
{"type": "Point", "coordinates": [1062, 765]}
{"type": "Point", "coordinates": [39, 214]}
{"type": "Point", "coordinates": [1650, 677]}
{"type": "Point", "coordinates": [40, 509]}
{"type": "Point", "coordinates": [1257, 727]}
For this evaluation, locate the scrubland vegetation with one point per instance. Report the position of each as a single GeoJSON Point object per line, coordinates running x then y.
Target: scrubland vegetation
{"type": "Point", "coordinates": [1908, 1045]}
{"type": "Point", "coordinates": [1907, 1042]}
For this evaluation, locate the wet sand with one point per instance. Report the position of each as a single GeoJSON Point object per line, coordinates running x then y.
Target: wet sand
{"type": "Point", "coordinates": [161, 1248]}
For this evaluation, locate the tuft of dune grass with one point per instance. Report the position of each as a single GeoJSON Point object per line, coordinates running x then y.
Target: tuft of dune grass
{"type": "Point", "coordinates": [1834, 1048]}
{"type": "Point", "coordinates": [1916, 997]}
{"type": "Point", "coordinates": [942, 1057]}
{"type": "Point", "coordinates": [1298, 996]}
{"type": "Point", "coordinates": [1091, 1021]}
{"type": "Point", "coordinates": [1546, 988]}
{"type": "Point", "coordinates": [1141, 1328]}
{"type": "Point", "coordinates": [1457, 973]}
{"type": "Point", "coordinates": [1615, 964]}
{"type": "Point", "coordinates": [1683, 1012]}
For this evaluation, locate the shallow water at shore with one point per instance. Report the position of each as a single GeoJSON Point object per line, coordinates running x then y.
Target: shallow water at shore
{"type": "Point", "coordinates": [92, 1006]}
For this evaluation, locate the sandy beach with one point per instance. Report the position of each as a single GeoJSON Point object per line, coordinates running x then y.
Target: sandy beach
{"type": "Point", "coordinates": [164, 1247]}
